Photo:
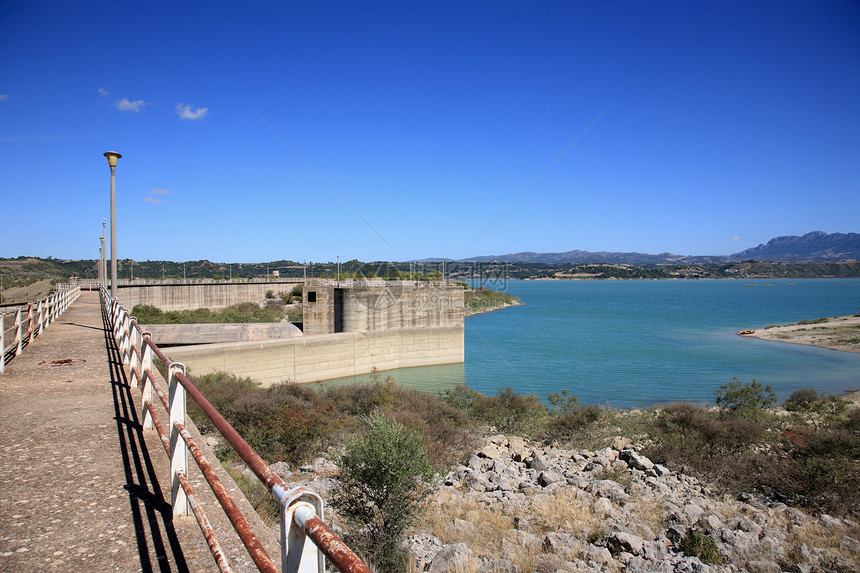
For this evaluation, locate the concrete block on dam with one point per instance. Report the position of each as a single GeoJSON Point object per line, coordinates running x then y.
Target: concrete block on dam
{"type": "Point", "coordinates": [326, 356]}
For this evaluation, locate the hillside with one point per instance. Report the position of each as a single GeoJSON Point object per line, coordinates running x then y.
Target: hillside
{"type": "Point", "coordinates": [815, 246]}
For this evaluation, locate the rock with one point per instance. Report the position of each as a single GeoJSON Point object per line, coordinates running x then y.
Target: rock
{"type": "Point", "coordinates": [553, 541]}
{"type": "Point", "coordinates": [423, 546]}
{"type": "Point", "coordinates": [849, 545]}
{"type": "Point", "coordinates": [281, 468]}
{"type": "Point", "coordinates": [490, 451]}
{"type": "Point", "coordinates": [831, 522]}
{"type": "Point", "coordinates": [498, 566]}
{"type": "Point", "coordinates": [636, 461]}
{"type": "Point", "coordinates": [597, 555]}
{"type": "Point", "coordinates": [452, 558]}
{"type": "Point", "coordinates": [693, 512]}
{"type": "Point", "coordinates": [661, 470]}
{"type": "Point", "coordinates": [603, 507]}
{"type": "Point", "coordinates": [499, 440]}
{"type": "Point", "coordinates": [549, 477]}
{"type": "Point", "coordinates": [539, 463]}
{"type": "Point", "coordinates": [763, 567]}
{"type": "Point", "coordinates": [619, 443]}
{"type": "Point", "coordinates": [475, 463]}
{"type": "Point", "coordinates": [618, 542]}
{"type": "Point", "coordinates": [610, 489]}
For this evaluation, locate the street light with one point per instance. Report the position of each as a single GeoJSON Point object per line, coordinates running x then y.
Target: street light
{"type": "Point", "coordinates": [112, 157]}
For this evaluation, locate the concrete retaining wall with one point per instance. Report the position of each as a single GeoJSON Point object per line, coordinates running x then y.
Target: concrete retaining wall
{"type": "Point", "coordinates": [213, 296]}
{"type": "Point", "coordinates": [326, 356]}
{"type": "Point", "coordinates": [170, 334]}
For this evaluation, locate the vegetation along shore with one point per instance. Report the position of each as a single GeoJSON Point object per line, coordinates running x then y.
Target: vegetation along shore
{"type": "Point", "coordinates": [513, 482]}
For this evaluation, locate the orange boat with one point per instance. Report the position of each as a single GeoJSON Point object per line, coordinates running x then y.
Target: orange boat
{"type": "Point", "coordinates": [742, 332]}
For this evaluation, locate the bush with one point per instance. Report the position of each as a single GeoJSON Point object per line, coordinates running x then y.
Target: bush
{"type": "Point", "coordinates": [737, 397]}
{"type": "Point", "coordinates": [574, 423]}
{"type": "Point", "coordinates": [801, 400]}
{"type": "Point", "coordinates": [519, 414]}
{"type": "Point", "coordinates": [383, 483]}
{"type": "Point", "coordinates": [697, 544]}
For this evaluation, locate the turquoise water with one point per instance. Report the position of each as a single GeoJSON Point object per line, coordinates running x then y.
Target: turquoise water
{"type": "Point", "coordinates": [636, 343]}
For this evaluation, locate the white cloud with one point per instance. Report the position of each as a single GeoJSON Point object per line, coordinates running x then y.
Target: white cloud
{"type": "Point", "coordinates": [736, 239]}
{"type": "Point", "coordinates": [155, 194]}
{"type": "Point", "coordinates": [104, 92]}
{"type": "Point", "coordinates": [126, 105]}
{"type": "Point", "coordinates": [4, 97]}
{"type": "Point", "coordinates": [185, 112]}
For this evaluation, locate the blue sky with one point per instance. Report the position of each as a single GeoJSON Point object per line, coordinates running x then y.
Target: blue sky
{"type": "Point", "coordinates": [404, 130]}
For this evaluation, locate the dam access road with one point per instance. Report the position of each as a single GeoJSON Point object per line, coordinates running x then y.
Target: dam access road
{"type": "Point", "coordinates": [82, 486]}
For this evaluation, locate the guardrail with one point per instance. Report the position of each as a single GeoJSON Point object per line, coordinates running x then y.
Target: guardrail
{"type": "Point", "coordinates": [31, 319]}
{"type": "Point", "coordinates": [305, 539]}
{"type": "Point", "coordinates": [368, 283]}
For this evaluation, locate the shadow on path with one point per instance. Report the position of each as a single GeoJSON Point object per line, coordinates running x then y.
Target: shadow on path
{"type": "Point", "coordinates": [151, 513]}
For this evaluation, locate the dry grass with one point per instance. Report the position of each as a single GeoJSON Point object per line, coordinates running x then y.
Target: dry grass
{"type": "Point", "coordinates": [814, 535]}
{"type": "Point", "coordinates": [492, 530]}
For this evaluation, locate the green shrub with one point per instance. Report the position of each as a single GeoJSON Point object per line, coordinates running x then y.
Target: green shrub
{"type": "Point", "coordinates": [801, 400]}
{"type": "Point", "coordinates": [509, 412]}
{"type": "Point", "coordinates": [697, 544]}
{"type": "Point", "coordinates": [383, 483]}
{"type": "Point", "coordinates": [561, 402]}
{"type": "Point", "coordinates": [737, 397]}
{"type": "Point", "coordinates": [574, 423]}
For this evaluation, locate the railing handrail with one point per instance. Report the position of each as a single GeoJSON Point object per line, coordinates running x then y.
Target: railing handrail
{"type": "Point", "coordinates": [304, 537]}
{"type": "Point", "coordinates": [36, 315]}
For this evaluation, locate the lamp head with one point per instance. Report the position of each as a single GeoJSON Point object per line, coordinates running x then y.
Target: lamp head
{"type": "Point", "coordinates": [112, 156]}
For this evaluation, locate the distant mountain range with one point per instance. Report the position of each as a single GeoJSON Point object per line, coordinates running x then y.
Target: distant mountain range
{"type": "Point", "coordinates": [816, 246]}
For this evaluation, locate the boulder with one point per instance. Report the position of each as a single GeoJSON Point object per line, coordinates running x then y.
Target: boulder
{"type": "Point", "coordinates": [618, 542]}
{"type": "Point", "coordinates": [452, 558]}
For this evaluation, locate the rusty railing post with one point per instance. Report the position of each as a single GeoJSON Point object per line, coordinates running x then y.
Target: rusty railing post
{"type": "Point", "coordinates": [299, 554]}
{"type": "Point", "coordinates": [146, 392]}
{"type": "Point", "coordinates": [178, 448]}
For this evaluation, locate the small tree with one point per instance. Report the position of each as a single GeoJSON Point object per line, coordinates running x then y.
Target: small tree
{"type": "Point", "coordinates": [737, 397]}
{"type": "Point", "coordinates": [384, 477]}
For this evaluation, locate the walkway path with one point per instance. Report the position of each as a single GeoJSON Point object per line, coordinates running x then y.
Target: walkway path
{"type": "Point", "coordinates": [82, 487]}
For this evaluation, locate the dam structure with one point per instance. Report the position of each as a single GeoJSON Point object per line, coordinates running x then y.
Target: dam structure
{"type": "Point", "coordinates": [349, 328]}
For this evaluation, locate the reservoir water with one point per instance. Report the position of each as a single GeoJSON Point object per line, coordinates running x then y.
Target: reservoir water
{"type": "Point", "coordinates": [637, 343]}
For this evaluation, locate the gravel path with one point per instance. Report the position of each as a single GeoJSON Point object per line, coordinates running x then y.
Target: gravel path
{"type": "Point", "coordinates": [81, 486]}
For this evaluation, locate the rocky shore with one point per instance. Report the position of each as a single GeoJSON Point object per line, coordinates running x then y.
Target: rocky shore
{"type": "Point", "coordinates": [518, 507]}
{"type": "Point", "coordinates": [836, 333]}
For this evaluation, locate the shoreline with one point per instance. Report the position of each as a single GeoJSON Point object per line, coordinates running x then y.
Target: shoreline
{"type": "Point", "coordinates": [840, 333]}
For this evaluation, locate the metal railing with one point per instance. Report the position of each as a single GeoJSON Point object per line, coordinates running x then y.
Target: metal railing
{"type": "Point", "coordinates": [305, 540]}
{"type": "Point", "coordinates": [31, 319]}
{"type": "Point", "coordinates": [372, 283]}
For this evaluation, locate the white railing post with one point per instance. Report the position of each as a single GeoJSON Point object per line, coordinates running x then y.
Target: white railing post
{"type": "Point", "coordinates": [146, 392]}
{"type": "Point", "coordinates": [29, 323]}
{"type": "Point", "coordinates": [299, 554]}
{"type": "Point", "coordinates": [178, 449]}
{"type": "Point", "coordinates": [134, 362]}
{"type": "Point", "coordinates": [41, 312]}
{"type": "Point", "coordinates": [18, 337]}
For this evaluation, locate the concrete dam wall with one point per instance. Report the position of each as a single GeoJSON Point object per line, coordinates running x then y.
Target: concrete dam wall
{"type": "Point", "coordinates": [326, 356]}
{"type": "Point", "coordinates": [213, 296]}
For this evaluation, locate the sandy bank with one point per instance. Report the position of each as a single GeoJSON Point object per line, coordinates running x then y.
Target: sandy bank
{"type": "Point", "coordinates": [836, 333]}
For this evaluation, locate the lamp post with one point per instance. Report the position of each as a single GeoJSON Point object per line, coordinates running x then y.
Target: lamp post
{"type": "Point", "coordinates": [103, 258]}
{"type": "Point", "coordinates": [112, 157]}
